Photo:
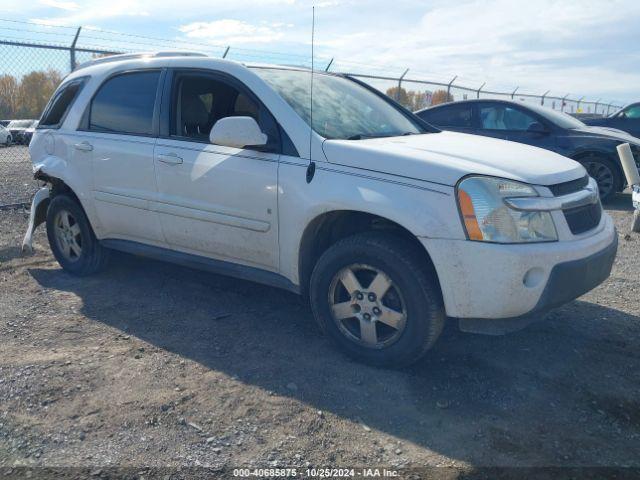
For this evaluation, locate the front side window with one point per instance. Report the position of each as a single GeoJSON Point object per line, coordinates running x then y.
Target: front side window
{"type": "Point", "coordinates": [125, 104]}
{"type": "Point", "coordinates": [502, 117]}
{"type": "Point", "coordinates": [451, 116]}
{"type": "Point", "coordinates": [200, 100]}
{"type": "Point", "coordinates": [60, 104]}
{"type": "Point", "coordinates": [342, 109]}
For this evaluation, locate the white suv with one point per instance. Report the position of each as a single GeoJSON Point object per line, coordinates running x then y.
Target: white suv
{"type": "Point", "coordinates": [388, 225]}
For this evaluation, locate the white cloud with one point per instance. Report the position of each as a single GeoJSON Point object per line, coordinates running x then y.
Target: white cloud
{"type": "Point", "coordinates": [69, 6]}
{"type": "Point", "coordinates": [579, 46]}
{"type": "Point", "coordinates": [231, 31]}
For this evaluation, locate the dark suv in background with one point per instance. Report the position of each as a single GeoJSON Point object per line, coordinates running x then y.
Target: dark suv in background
{"type": "Point", "coordinates": [593, 147]}
{"type": "Point", "coordinates": [626, 119]}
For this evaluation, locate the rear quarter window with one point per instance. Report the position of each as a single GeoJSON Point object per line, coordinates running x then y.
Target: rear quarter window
{"type": "Point", "coordinates": [60, 104]}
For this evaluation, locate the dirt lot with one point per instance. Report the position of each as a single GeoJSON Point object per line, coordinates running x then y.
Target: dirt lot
{"type": "Point", "coordinates": [16, 177]}
{"type": "Point", "coordinates": [152, 365]}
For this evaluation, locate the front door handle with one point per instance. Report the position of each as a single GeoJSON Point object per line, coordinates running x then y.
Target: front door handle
{"type": "Point", "coordinates": [169, 158]}
{"type": "Point", "coordinates": [84, 147]}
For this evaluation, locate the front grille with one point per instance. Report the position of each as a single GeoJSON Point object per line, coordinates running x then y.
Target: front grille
{"type": "Point", "coordinates": [582, 219]}
{"type": "Point", "coordinates": [571, 186]}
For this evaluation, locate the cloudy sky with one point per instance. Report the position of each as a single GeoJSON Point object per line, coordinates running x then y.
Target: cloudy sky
{"type": "Point", "coordinates": [582, 47]}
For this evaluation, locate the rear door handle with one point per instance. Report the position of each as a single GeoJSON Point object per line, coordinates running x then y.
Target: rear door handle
{"type": "Point", "coordinates": [84, 147]}
{"type": "Point", "coordinates": [169, 158]}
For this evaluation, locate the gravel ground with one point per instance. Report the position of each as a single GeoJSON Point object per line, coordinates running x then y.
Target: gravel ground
{"type": "Point", "coordinates": [16, 176]}
{"type": "Point", "coordinates": [152, 365]}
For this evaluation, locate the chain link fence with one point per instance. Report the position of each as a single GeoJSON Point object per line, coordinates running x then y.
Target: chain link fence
{"type": "Point", "coordinates": [31, 71]}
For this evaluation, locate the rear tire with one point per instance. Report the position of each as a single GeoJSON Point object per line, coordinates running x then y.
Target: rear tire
{"type": "Point", "coordinates": [375, 296]}
{"type": "Point", "coordinates": [605, 173]}
{"type": "Point", "coordinates": [71, 238]}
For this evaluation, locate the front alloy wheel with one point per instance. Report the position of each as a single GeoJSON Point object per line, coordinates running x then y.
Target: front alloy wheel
{"type": "Point", "coordinates": [373, 315]}
{"type": "Point", "coordinates": [377, 296]}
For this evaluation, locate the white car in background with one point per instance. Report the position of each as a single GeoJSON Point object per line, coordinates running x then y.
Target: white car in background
{"type": "Point", "coordinates": [388, 225]}
{"type": "Point", "coordinates": [5, 137]}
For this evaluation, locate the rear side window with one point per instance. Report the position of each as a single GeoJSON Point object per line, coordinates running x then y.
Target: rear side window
{"type": "Point", "coordinates": [502, 117]}
{"type": "Point", "coordinates": [450, 116]}
{"type": "Point", "coordinates": [125, 104]}
{"type": "Point", "coordinates": [60, 104]}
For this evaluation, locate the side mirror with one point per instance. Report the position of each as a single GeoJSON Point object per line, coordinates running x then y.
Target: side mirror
{"type": "Point", "coordinates": [237, 132]}
{"type": "Point", "coordinates": [537, 127]}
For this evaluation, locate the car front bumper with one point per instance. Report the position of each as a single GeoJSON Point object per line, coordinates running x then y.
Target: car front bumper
{"type": "Point", "coordinates": [494, 288]}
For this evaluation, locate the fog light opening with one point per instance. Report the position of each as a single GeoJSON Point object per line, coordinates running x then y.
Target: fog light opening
{"type": "Point", "coordinates": [533, 277]}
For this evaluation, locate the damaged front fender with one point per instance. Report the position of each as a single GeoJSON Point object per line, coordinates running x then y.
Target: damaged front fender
{"type": "Point", "coordinates": [38, 215]}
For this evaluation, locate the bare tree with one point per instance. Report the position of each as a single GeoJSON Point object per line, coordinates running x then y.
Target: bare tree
{"type": "Point", "coordinates": [441, 96]}
{"type": "Point", "coordinates": [35, 90]}
{"type": "Point", "coordinates": [8, 96]}
{"type": "Point", "coordinates": [410, 99]}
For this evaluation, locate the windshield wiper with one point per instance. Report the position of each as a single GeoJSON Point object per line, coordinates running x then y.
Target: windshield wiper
{"type": "Point", "coordinates": [362, 136]}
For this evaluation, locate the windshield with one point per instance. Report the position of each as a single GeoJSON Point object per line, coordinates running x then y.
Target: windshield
{"type": "Point", "coordinates": [342, 109]}
{"type": "Point", "coordinates": [20, 123]}
{"type": "Point", "coordinates": [561, 119]}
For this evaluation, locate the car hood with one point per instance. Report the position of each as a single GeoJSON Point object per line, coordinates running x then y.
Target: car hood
{"type": "Point", "coordinates": [607, 132]}
{"type": "Point", "coordinates": [445, 157]}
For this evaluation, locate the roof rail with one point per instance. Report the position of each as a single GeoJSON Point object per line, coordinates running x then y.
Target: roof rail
{"type": "Point", "coordinates": [131, 56]}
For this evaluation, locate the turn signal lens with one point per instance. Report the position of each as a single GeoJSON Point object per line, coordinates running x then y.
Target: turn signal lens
{"type": "Point", "coordinates": [469, 216]}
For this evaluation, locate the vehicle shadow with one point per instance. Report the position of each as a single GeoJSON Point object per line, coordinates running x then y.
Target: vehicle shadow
{"type": "Point", "coordinates": [620, 202]}
{"type": "Point", "coordinates": [525, 398]}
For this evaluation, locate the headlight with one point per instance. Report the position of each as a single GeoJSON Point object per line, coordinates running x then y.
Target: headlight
{"type": "Point", "coordinates": [487, 217]}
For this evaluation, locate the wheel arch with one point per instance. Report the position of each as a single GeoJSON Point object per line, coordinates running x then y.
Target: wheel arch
{"type": "Point", "coordinates": [329, 227]}
{"type": "Point", "coordinates": [60, 184]}
{"type": "Point", "coordinates": [583, 154]}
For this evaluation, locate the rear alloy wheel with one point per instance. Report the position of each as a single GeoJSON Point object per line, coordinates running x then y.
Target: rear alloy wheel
{"type": "Point", "coordinates": [377, 298]}
{"type": "Point", "coordinates": [68, 235]}
{"type": "Point", "coordinates": [8, 141]}
{"type": "Point", "coordinates": [71, 238]}
{"type": "Point", "coordinates": [604, 173]}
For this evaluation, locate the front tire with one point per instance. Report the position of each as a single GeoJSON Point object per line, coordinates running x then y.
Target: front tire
{"type": "Point", "coordinates": [375, 296]}
{"type": "Point", "coordinates": [71, 238]}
